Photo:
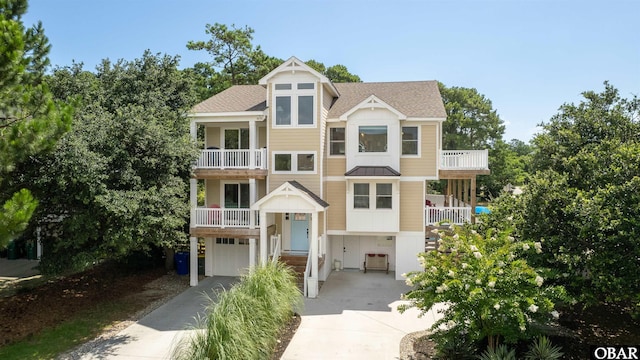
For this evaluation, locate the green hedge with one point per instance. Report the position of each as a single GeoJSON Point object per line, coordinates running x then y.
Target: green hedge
{"type": "Point", "coordinates": [244, 322]}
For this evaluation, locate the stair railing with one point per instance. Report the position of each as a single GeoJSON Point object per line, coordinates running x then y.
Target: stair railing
{"type": "Point", "coordinates": [276, 245]}
{"type": "Point", "coordinates": [307, 274]}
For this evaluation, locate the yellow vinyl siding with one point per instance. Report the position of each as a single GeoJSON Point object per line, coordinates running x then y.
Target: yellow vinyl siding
{"type": "Point", "coordinates": [425, 165]}
{"type": "Point", "coordinates": [411, 206]}
{"type": "Point", "coordinates": [336, 166]}
{"type": "Point", "coordinates": [337, 198]}
{"type": "Point", "coordinates": [298, 140]}
{"type": "Point", "coordinates": [213, 136]}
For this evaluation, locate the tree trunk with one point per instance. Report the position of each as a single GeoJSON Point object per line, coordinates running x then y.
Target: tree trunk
{"type": "Point", "coordinates": [168, 261]}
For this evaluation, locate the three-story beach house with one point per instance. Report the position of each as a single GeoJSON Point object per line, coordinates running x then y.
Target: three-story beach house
{"type": "Point", "coordinates": [331, 173]}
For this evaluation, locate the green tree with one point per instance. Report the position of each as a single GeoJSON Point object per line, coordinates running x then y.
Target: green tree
{"type": "Point", "coordinates": [509, 165]}
{"type": "Point", "coordinates": [30, 120]}
{"type": "Point", "coordinates": [235, 60]}
{"type": "Point", "coordinates": [583, 201]}
{"type": "Point", "coordinates": [118, 182]}
{"type": "Point", "coordinates": [472, 123]}
{"type": "Point", "coordinates": [336, 73]}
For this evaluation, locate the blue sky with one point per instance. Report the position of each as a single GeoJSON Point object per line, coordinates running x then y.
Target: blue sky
{"type": "Point", "coordinates": [528, 57]}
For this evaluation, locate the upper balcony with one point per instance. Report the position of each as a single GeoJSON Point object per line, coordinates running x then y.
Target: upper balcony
{"type": "Point", "coordinates": [226, 163]}
{"type": "Point", "coordinates": [463, 162]}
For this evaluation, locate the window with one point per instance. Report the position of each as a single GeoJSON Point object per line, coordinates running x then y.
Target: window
{"type": "Point", "coordinates": [361, 196]}
{"type": "Point", "coordinates": [283, 110]}
{"type": "Point", "coordinates": [282, 162]}
{"type": "Point", "coordinates": [336, 141]}
{"type": "Point", "coordinates": [381, 192]}
{"type": "Point", "coordinates": [383, 196]}
{"type": "Point", "coordinates": [236, 138]}
{"type": "Point", "coordinates": [305, 110]}
{"type": "Point", "coordinates": [372, 139]}
{"type": "Point", "coordinates": [236, 196]}
{"type": "Point", "coordinates": [294, 106]}
{"type": "Point", "coordinates": [225, 241]}
{"type": "Point", "coordinates": [305, 162]}
{"type": "Point", "coordinates": [409, 140]}
{"type": "Point", "coordinates": [294, 162]}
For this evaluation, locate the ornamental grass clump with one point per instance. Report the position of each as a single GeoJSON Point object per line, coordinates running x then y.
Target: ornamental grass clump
{"type": "Point", "coordinates": [244, 321]}
{"type": "Point", "coordinates": [490, 291]}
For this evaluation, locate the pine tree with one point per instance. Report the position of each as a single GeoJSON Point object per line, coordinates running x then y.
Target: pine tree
{"type": "Point", "coordinates": [30, 120]}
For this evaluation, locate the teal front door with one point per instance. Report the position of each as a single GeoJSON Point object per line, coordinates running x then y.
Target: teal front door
{"type": "Point", "coordinates": [300, 232]}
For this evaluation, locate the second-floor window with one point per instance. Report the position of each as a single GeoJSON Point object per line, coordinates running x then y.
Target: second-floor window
{"type": "Point", "coordinates": [409, 140]}
{"type": "Point", "coordinates": [336, 141]}
{"type": "Point", "coordinates": [294, 162]}
{"type": "Point", "coordinates": [382, 194]}
{"type": "Point", "coordinates": [294, 105]}
{"type": "Point", "coordinates": [372, 139]}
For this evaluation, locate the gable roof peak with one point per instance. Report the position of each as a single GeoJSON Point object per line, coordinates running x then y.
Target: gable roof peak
{"type": "Point", "coordinates": [294, 64]}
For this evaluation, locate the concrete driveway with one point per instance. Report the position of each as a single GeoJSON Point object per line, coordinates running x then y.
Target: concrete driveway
{"type": "Point", "coordinates": [355, 317]}
{"type": "Point", "coordinates": [155, 335]}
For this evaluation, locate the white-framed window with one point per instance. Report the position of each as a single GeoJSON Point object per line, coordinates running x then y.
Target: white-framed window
{"type": "Point", "coordinates": [337, 141]}
{"type": "Point", "coordinates": [410, 140]}
{"type": "Point", "coordinates": [294, 105]}
{"type": "Point", "coordinates": [236, 138]}
{"type": "Point", "coordinates": [236, 195]}
{"type": "Point", "coordinates": [373, 139]}
{"type": "Point", "coordinates": [363, 193]}
{"type": "Point", "coordinates": [225, 241]}
{"type": "Point", "coordinates": [294, 162]}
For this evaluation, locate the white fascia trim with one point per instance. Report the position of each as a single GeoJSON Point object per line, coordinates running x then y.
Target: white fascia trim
{"type": "Point", "coordinates": [390, 178]}
{"type": "Point", "coordinates": [373, 102]}
{"type": "Point", "coordinates": [260, 114]}
{"type": "Point", "coordinates": [425, 119]}
{"type": "Point", "coordinates": [401, 178]}
{"type": "Point", "coordinates": [298, 65]}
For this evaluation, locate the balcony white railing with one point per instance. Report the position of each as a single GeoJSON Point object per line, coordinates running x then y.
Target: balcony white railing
{"type": "Point", "coordinates": [464, 159]}
{"type": "Point", "coordinates": [231, 159]}
{"type": "Point", "coordinates": [223, 218]}
{"type": "Point", "coordinates": [453, 215]}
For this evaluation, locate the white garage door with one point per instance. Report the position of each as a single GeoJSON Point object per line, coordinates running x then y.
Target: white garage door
{"type": "Point", "coordinates": [230, 256]}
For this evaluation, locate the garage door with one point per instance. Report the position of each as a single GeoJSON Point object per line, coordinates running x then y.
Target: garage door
{"type": "Point", "coordinates": [230, 256]}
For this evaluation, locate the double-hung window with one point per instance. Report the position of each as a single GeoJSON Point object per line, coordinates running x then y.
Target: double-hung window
{"type": "Point", "coordinates": [381, 193]}
{"type": "Point", "coordinates": [336, 141]}
{"type": "Point", "coordinates": [294, 104]}
{"type": "Point", "coordinates": [409, 140]}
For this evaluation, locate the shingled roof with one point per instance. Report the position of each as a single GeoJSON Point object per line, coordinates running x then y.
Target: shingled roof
{"type": "Point", "coordinates": [417, 99]}
{"type": "Point", "coordinates": [235, 99]}
{"type": "Point", "coordinates": [420, 99]}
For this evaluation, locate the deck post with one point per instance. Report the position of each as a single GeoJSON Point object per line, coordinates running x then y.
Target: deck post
{"type": "Point", "coordinates": [473, 200]}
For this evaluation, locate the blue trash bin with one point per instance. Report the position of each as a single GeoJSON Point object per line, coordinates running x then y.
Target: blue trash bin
{"type": "Point", "coordinates": [182, 262]}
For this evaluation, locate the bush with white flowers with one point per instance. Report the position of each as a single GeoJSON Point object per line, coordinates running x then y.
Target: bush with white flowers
{"type": "Point", "coordinates": [489, 289]}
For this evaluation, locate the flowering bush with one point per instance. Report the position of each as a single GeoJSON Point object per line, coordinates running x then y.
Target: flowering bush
{"type": "Point", "coordinates": [489, 288]}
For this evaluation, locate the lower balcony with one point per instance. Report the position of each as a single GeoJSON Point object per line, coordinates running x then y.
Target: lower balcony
{"type": "Point", "coordinates": [222, 222]}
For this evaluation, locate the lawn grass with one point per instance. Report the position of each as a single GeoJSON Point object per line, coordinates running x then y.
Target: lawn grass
{"type": "Point", "coordinates": [82, 327]}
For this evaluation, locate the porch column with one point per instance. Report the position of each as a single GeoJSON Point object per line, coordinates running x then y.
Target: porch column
{"type": "Point", "coordinates": [264, 256]}
{"type": "Point", "coordinates": [465, 191]}
{"type": "Point", "coordinates": [252, 144]}
{"type": "Point", "coordinates": [193, 262]}
{"type": "Point", "coordinates": [193, 130]}
{"type": "Point", "coordinates": [252, 213]}
{"type": "Point", "coordinates": [473, 199]}
{"type": "Point", "coordinates": [312, 282]}
{"type": "Point", "coordinates": [208, 257]}
{"type": "Point", "coordinates": [252, 253]}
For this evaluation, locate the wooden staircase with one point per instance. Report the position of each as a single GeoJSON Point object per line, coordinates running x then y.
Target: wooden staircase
{"type": "Point", "coordinates": [298, 262]}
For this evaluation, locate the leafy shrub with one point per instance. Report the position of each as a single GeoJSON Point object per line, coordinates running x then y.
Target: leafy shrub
{"type": "Point", "coordinates": [244, 321]}
{"type": "Point", "coordinates": [490, 290]}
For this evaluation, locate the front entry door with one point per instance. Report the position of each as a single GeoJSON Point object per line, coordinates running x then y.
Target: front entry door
{"type": "Point", "coordinates": [300, 232]}
{"type": "Point", "coordinates": [351, 252]}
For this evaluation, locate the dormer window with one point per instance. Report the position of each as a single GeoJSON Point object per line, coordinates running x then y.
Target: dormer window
{"type": "Point", "coordinates": [294, 104]}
